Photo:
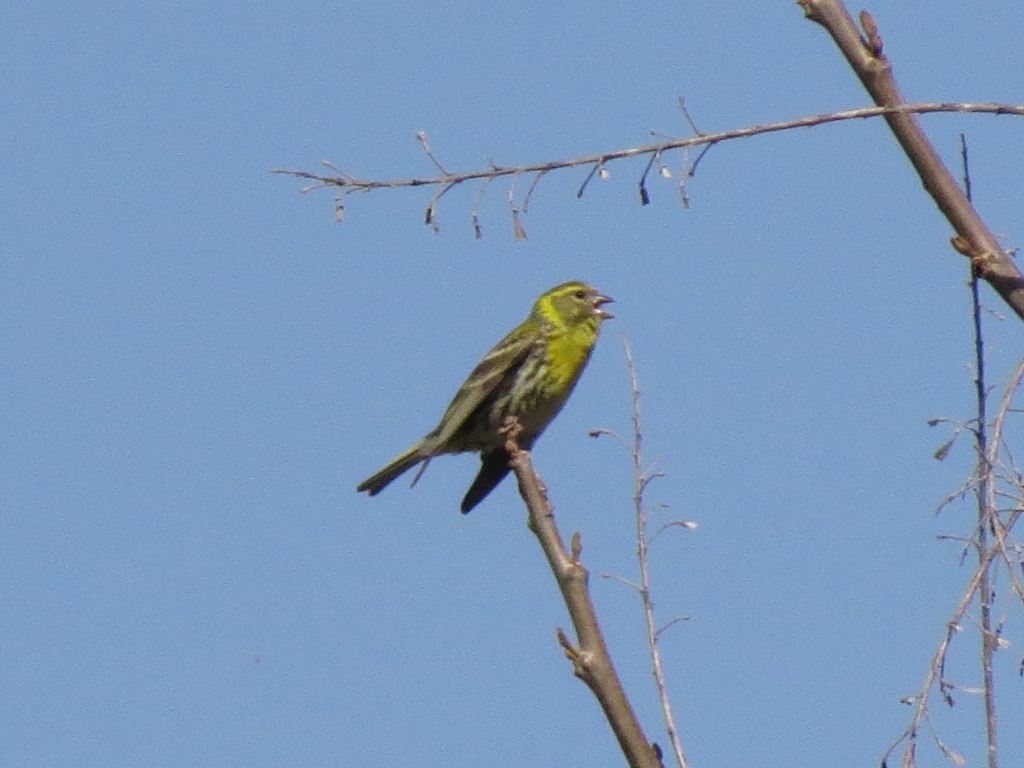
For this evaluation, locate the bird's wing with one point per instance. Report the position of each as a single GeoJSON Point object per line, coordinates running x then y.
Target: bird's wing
{"type": "Point", "coordinates": [505, 357]}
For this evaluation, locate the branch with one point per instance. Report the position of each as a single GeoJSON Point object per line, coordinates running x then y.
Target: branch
{"type": "Point", "coordinates": [590, 659]}
{"type": "Point", "coordinates": [346, 184]}
{"type": "Point", "coordinates": [640, 482]}
{"type": "Point", "coordinates": [863, 53]}
{"type": "Point", "coordinates": [984, 476]}
{"type": "Point", "coordinates": [985, 495]}
{"type": "Point", "coordinates": [641, 479]}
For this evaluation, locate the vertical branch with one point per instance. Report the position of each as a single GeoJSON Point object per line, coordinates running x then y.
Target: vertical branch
{"type": "Point", "coordinates": [979, 581]}
{"type": "Point", "coordinates": [640, 481]}
{"type": "Point", "coordinates": [985, 493]}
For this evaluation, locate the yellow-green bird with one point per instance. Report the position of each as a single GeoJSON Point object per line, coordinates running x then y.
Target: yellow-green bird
{"type": "Point", "coordinates": [529, 374]}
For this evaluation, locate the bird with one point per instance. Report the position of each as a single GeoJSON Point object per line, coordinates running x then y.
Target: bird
{"type": "Point", "coordinates": [529, 374]}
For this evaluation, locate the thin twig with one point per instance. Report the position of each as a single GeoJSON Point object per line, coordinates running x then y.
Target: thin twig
{"type": "Point", "coordinates": [980, 576]}
{"type": "Point", "coordinates": [421, 137]}
{"type": "Point", "coordinates": [598, 168]}
{"type": "Point", "coordinates": [686, 113]}
{"type": "Point", "coordinates": [347, 181]}
{"type": "Point", "coordinates": [475, 212]}
{"type": "Point", "coordinates": [529, 192]}
{"type": "Point", "coordinates": [517, 226]}
{"type": "Point", "coordinates": [640, 482]}
{"type": "Point", "coordinates": [985, 495]}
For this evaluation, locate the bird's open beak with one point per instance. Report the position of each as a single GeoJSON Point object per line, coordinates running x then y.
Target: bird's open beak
{"type": "Point", "coordinates": [600, 299]}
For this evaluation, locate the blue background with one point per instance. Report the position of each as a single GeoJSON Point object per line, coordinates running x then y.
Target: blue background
{"type": "Point", "coordinates": [197, 366]}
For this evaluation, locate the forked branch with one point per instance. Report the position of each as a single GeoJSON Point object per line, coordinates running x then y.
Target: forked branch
{"type": "Point", "coordinates": [994, 547]}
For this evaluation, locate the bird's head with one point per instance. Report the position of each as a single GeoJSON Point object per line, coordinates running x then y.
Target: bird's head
{"type": "Point", "coordinates": [573, 303]}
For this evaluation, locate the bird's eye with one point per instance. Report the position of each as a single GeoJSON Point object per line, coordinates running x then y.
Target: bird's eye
{"type": "Point", "coordinates": [580, 294]}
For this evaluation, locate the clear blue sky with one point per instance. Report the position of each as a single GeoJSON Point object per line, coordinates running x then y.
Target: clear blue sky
{"type": "Point", "coordinates": [197, 366]}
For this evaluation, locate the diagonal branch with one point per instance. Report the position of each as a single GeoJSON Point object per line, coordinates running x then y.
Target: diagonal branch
{"type": "Point", "coordinates": [863, 53]}
{"type": "Point", "coordinates": [590, 658]}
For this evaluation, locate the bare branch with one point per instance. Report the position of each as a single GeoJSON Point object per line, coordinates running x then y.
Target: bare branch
{"type": "Point", "coordinates": [974, 239]}
{"type": "Point", "coordinates": [475, 212]}
{"type": "Point", "coordinates": [529, 192]}
{"type": "Point", "coordinates": [686, 113]}
{"type": "Point", "coordinates": [670, 623]}
{"type": "Point", "coordinates": [517, 226]}
{"type": "Point", "coordinates": [421, 137]}
{"type": "Point", "coordinates": [641, 479]}
{"type": "Point", "coordinates": [430, 214]}
{"type": "Point", "coordinates": [591, 662]}
{"type": "Point", "coordinates": [983, 482]}
{"type": "Point", "coordinates": [598, 169]}
{"type": "Point", "coordinates": [645, 198]}
{"type": "Point", "coordinates": [621, 580]}
{"type": "Point", "coordinates": [349, 183]}
{"type": "Point", "coordinates": [688, 525]}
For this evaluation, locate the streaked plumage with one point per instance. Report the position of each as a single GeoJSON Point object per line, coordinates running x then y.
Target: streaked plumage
{"type": "Point", "coordinates": [529, 374]}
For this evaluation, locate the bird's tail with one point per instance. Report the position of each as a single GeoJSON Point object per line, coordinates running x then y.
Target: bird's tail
{"type": "Point", "coordinates": [493, 468]}
{"type": "Point", "coordinates": [400, 464]}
